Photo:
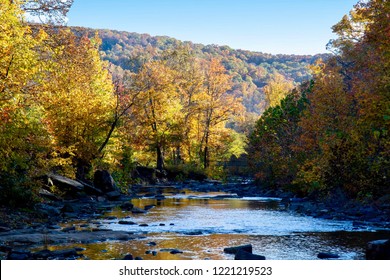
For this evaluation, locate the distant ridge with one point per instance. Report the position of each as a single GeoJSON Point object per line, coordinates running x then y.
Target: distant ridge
{"type": "Point", "coordinates": [251, 70]}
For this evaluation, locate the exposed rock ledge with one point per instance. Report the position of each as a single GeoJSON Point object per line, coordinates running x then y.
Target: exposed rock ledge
{"type": "Point", "coordinates": [22, 238]}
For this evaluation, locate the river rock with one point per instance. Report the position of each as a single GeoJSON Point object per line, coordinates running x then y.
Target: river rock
{"type": "Point", "coordinates": [244, 255]}
{"type": "Point", "coordinates": [145, 174]}
{"type": "Point", "coordinates": [68, 229]}
{"type": "Point", "coordinates": [176, 251]}
{"type": "Point", "coordinates": [286, 201]}
{"type": "Point", "coordinates": [128, 257]}
{"type": "Point", "coordinates": [68, 208]}
{"type": "Point", "coordinates": [48, 210]}
{"type": "Point", "coordinates": [127, 206]}
{"type": "Point", "coordinates": [138, 211]}
{"type": "Point", "coordinates": [113, 195]}
{"type": "Point", "coordinates": [71, 253]}
{"type": "Point", "coordinates": [148, 207]}
{"type": "Point", "coordinates": [69, 186]}
{"type": "Point", "coordinates": [378, 250]}
{"type": "Point", "coordinates": [90, 189]}
{"type": "Point", "coordinates": [325, 255]}
{"type": "Point", "coordinates": [58, 237]}
{"type": "Point", "coordinates": [48, 195]}
{"type": "Point", "coordinates": [103, 181]}
{"type": "Point", "coordinates": [5, 248]}
{"type": "Point", "coordinates": [195, 232]}
{"type": "Point", "coordinates": [224, 196]}
{"type": "Point", "coordinates": [53, 226]}
{"type": "Point", "coordinates": [234, 250]}
{"type": "Point", "coordinates": [159, 196]}
{"type": "Point", "coordinates": [4, 229]}
{"type": "Point", "coordinates": [19, 255]}
{"type": "Point", "coordinates": [123, 222]}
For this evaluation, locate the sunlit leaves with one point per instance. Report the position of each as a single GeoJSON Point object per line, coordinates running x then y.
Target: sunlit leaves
{"type": "Point", "coordinates": [277, 88]}
{"type": "Point", "coordinates": [77, 97]}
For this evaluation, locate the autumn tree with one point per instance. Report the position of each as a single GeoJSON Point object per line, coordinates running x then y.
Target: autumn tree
{"type": "Point", "coordinates": [189, 85]}
{"type": "Point", "coordinates": [216, 106]}
{"type": "Point", "coordinates": [23, 138]}
{"type": "Point", "coordinates": [158, 108]}
{"type": "Point", "coordinates": [271, 154]}
{"type": "Point", "coordinates": [277, 88]}
{"type": "Point", "coordinates": [326, 125]}
{"type": "Point", "coordinates": [77, 99]}
{"type": "Point", "coordinates": [346, 126]}
{"type": "Point", "coordinates": [343, 142]}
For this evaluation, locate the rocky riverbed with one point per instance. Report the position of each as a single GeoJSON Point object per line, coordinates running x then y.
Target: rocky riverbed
{"type": "Point", "coordinates": [51, 222]}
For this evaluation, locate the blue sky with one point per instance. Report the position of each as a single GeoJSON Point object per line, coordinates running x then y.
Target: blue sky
{"type": "Point", "coordinates": [269, 26]}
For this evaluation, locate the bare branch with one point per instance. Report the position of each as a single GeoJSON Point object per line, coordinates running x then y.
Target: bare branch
{"type": "Point", "coordinates": [48, 11]}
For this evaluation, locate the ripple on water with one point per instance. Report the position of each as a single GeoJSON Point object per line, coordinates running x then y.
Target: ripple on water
{"type": "Point", "coordinates": [201, 227]}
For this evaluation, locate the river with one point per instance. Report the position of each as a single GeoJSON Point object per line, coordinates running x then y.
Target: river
{"type": "Point", "coordinates": [200, 225]}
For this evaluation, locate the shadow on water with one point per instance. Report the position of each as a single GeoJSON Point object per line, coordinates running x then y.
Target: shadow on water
{"type": "Point", "coordinates": [202, 224]}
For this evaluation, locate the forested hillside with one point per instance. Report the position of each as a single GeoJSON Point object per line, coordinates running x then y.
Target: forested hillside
{"type": "Point", "coordinates": [251, 71]}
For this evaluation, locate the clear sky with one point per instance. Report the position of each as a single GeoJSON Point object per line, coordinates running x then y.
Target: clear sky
{"type": "Point", "coordinates": [269, 26]}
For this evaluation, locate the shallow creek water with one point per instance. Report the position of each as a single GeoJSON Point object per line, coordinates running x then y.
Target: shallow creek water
{"type": "Point", "coordinates": [202, 224]}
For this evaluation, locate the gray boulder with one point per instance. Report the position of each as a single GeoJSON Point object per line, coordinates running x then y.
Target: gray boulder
{"type": "Point", "coordinates": [103, 181]}
{"type": "Point", "coordinates": [128, 257]}
{"type": "Point", "coordinates": [136, 210]}
{"type": "Point", "coordinates": [378, 250]}
{"type": "Point", "coordinates": [90, 189]}
{"type": "Point", "coordinates": [113, 195]}
{"type": "Point", "coordinates": [123, 222]}
{"type": "Point", "coordinates": [48, 195]}
{"type": "Point", "coordinates": [127, 206]}
{"type": "Point", "coordinates": [68, 186]}
{"type": "Point", "coordinates": [176, 251]}
{"type": "Point", "coordinates": [234, 250]}
{"type": "Point", "coordinates": [19, 255]}
{"type": "Point", "coordinates": [48, 210]}
{"type": "Point", "coordinates": [244, 255]}
{"type": "Point", "coordinates": [327, 256]}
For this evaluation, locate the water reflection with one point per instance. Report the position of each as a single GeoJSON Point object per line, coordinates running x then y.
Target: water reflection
{"type": "Point", "coordinates": [186, 215]}
{"type": "Point", "coordinates": [305, 246]}
{"type": "Point", "coordinates": [202, 224]}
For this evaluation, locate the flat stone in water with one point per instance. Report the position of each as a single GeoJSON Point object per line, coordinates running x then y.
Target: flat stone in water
{"type": "Point", "coordinates": [172, 251]}
{"type": "Point", "coordinates": [176, 251]}
{"type": "Point", "coordinates": [110, 218]}
{"type": "Point", "coordinates": [236, 249]}
{"type": "Point", "coordinates": [328, 256]}
{"type": "Point", "coordinates": [126, 223]}
{"type": "Point", "coordinates": [197, 232]}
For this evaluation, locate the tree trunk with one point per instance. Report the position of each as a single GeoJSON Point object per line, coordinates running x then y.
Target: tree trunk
{"type": "Point", "coordinates": [206, 162]}
{"type": "Point", "coordinates": [82, 169]}
{"type": "Point", "coordinates": [112, 128]}
{"type": "Point", "coordinates": [160, 158]}
{"type": "Point", "coordinates": [178, 158]}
